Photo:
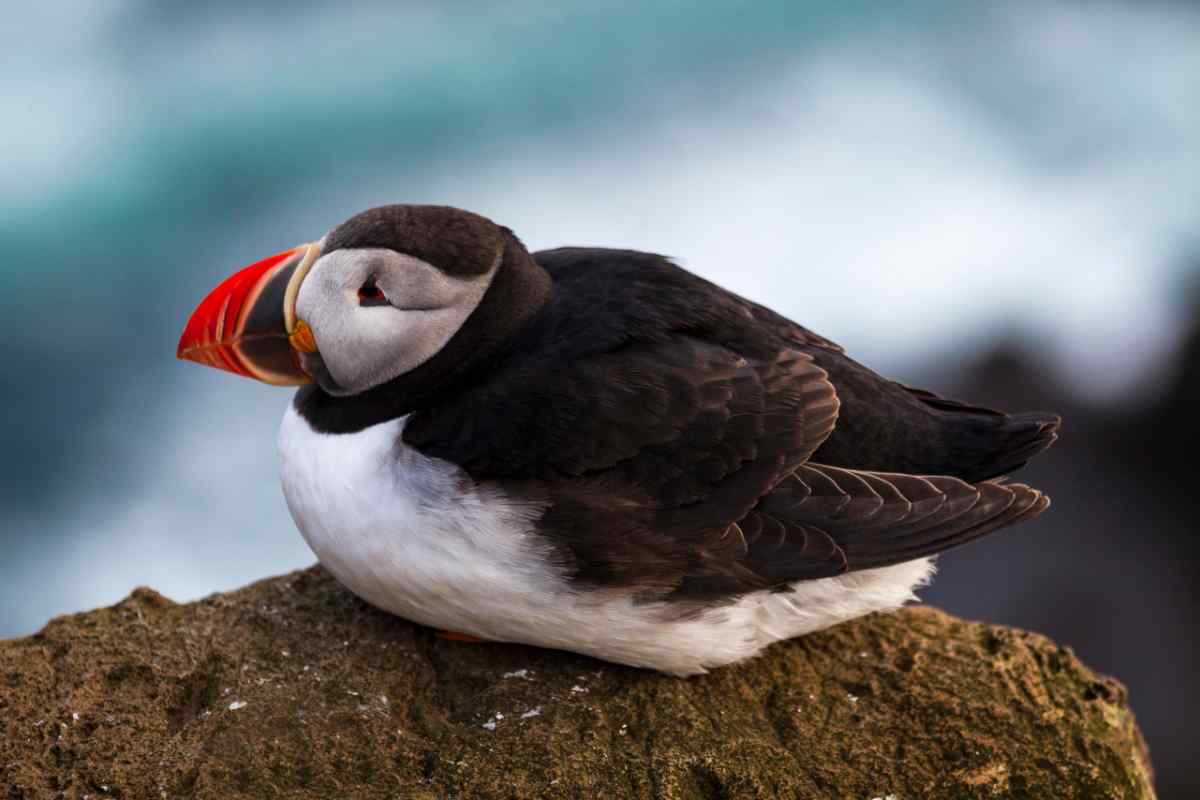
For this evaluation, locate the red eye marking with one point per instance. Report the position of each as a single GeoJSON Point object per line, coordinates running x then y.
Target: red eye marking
{"type": "Point", "coordinates": [369, 294]}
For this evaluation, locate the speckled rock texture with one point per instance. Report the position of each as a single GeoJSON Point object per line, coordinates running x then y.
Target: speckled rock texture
{"type": "Point", "coordinates": [294, 688]}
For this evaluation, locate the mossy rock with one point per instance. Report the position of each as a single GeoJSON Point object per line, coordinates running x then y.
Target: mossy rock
{"type": "Point", "coordinates": [292, 687]}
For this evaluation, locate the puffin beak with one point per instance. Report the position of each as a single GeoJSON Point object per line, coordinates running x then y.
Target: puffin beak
{"type": "Point", "coordinates": [248, 324]}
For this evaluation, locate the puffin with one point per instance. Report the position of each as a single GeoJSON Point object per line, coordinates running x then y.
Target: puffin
{"type": "Point", "coordinates": [593, 449]}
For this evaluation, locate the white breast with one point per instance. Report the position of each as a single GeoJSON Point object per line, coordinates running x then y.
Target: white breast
{"type": "Point", "coordinates": [417, 537]}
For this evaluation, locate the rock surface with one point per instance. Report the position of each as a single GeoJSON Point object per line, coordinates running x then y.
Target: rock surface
{"type": "Point", "coordinates": [292, 687]}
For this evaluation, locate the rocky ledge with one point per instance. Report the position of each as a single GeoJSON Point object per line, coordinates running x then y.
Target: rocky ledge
{"type": "Point", "coordinates": [292, 687]}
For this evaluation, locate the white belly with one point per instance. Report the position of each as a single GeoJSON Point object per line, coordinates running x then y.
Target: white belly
{"type": "Point", "coordinates": [417, 537]}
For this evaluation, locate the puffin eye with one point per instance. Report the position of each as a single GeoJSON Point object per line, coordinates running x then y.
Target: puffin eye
{"type": "Point", "coordinates": [369, 294]}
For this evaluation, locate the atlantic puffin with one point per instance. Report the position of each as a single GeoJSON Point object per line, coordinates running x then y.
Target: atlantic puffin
{"type": "Point", "coordinates": [594, 449]}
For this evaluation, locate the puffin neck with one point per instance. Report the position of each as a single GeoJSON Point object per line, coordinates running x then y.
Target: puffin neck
{"type": "Point", "coordinates": [517, 293]}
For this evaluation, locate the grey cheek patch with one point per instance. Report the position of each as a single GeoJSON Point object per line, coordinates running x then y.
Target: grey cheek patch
{"type": "Point", "coordinates": [363, 346]}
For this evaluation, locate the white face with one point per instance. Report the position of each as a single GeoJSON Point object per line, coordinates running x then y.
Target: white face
{"type": "Point", "coordinates": [377, 314]}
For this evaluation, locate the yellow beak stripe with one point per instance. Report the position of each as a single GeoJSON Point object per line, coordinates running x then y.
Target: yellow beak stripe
{"type": "Point", "coordinates": [302, 338]}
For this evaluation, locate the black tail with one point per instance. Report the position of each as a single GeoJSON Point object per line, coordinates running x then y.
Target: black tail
{"type": "Point", "coordinates": [990, 443]}
{"type": "Point", "coordinates": [1016, 439]}
{"type": "Point", "coordinates": [889, 427]}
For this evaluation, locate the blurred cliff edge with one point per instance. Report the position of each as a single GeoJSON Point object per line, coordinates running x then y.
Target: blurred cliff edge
{"type": "Point", "coordinates": [293, 687]}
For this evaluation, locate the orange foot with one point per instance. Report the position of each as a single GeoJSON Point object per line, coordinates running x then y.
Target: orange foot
{"type": "Point", "coordinates": [455, 636]}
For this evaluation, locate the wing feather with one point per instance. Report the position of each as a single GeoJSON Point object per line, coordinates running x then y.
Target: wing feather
{"type": "Point", "coordinates": [879, 519]}
{"type": "Point", "coordinates": [668, 426]}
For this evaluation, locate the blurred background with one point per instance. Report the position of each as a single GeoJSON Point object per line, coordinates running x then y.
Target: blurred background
{"type": "Point", "coordinates": [996, 201]}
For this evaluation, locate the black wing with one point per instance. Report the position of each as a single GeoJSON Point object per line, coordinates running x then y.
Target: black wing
{"type": "Point", "coordinates": [669, 427]}
{"type": "Point", "coordinates": [648, 456]}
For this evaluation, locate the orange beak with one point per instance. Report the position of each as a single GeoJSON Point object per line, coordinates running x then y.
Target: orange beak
{"type": "Point", "coordinates": [248, 324]}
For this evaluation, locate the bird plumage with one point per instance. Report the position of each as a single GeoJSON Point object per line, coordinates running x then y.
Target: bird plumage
{"type": "Point", "coordinates": [611, 454]}
{"type": "Point", "coordinates": [661, 417]}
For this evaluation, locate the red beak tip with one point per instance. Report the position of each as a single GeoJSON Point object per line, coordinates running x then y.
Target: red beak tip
{"type": "Point", "coordinates": [215, 334]}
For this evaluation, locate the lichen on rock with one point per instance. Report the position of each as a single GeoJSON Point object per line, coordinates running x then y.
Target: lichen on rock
{"type": "Point", "coordinates": [292, 687]}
